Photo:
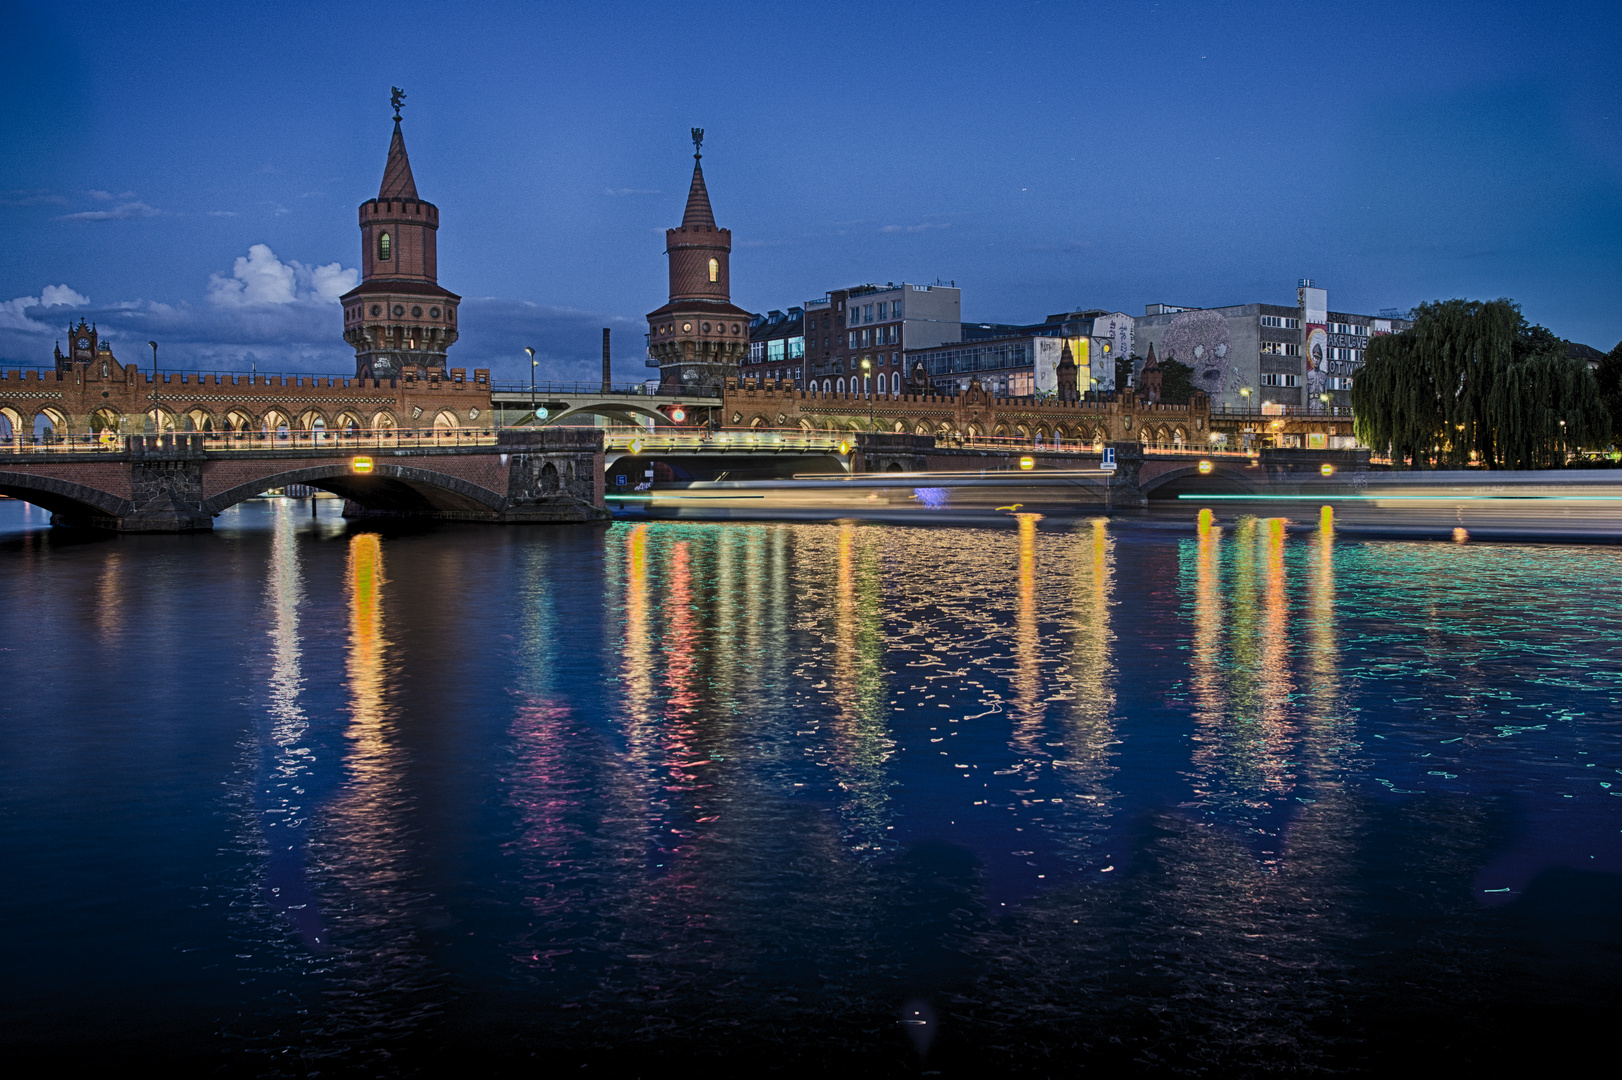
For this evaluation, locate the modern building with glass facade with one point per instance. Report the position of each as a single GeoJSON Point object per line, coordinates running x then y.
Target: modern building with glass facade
{"type": "Point", "coordinates": [776, 346]}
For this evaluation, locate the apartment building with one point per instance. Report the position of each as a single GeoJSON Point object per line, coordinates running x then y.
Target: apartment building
{"type": "Point", "coordinates": [1266, 357]}
{"type": "Point", "coordinates": [776, 346]}
{"type": "Point", "coordinates": [875, 323]}
{"type": "Point", "coordinates": [1021, 359]}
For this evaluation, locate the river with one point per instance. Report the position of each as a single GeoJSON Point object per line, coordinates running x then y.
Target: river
{"type": "Point", "coordinates": [300, 796]}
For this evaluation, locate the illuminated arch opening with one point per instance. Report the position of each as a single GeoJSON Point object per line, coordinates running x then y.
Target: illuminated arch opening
{"type": "Point", "coordinates": [11, 424]}
{"type": "Point", "coordinates": [385, 247]}
{"type": "Point", "coordinates": [715, 270]}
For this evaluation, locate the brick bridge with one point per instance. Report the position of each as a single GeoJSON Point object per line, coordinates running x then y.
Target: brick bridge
{"type": "Point", "coordinates": [178, 482]}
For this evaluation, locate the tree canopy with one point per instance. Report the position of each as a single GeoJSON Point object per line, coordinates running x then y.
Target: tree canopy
{"type": "Point", "coordinates": [1176, 381]}
{"type": "Point", "coordinates": [1473, 380]}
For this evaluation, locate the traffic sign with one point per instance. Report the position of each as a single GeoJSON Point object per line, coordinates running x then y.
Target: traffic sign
{"type": "Point", "coordinates": [1108, 464]}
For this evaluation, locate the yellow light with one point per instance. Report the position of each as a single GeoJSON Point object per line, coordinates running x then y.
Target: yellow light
{"type": "Point", "coordinates": [1027, 462]}
{"type": "Point", "coordinates": [636, 446]}
{"type": "Point", "coordinates": [1327, 469]}
{"type": "Point", "coordinates": [1205, 467]}
{"type": "Point", "coordinates": [1326, 519]}
{"type": "Point", "coordinates": [361, 464]}
{"type": "Point", "coordinates": [678, 414]}
{"type": "Point", "coordinates": [844, 446]}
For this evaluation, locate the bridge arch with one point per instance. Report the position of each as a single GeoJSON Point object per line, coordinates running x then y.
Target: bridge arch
{"type": "Point", "coordinates": [626, 412]}
{"type": "Point", "coordinates": [63, 496]}
{"type": "Point", "coordinates": [401, 488]}
{"type": "Point", "coordinates": [1223, 479]}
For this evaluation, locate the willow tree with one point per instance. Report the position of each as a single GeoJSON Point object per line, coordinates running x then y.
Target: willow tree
{"type": "Point", "coordinates": [1471, 381]}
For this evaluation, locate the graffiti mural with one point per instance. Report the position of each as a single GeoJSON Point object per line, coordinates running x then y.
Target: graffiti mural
{"type": "Point", "coordinates": [1317, 359]}
{"type": "Point", "coordinates": [1200, 339]}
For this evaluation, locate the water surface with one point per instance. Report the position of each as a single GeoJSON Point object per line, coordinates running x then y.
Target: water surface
{"type": "Point", "coordinates": [299, 796]}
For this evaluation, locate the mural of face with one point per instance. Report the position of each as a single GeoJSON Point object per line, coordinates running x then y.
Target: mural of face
{"type": "Point", "coordinates": [1200, 340]}
{"type": "Point", "coordinates": [1317, 355]}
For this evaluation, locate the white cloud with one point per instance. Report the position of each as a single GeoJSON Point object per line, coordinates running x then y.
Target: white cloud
{"type": "Point", "coordinates": [61, 296]}
{"type": "Point", "coordinates": [260, 279]}
{"type": "Point", "coordinates": [617, 191]}
{"type": "Point", "coordinates": [121, 212]}
{"type": "Point", "coordinates": [924, 227]}
{"type": "Point", "coordinates": [14, 313]}
{"type": "Point", "coordinates": [222, 213]}
{"type": "Point", "coordinates": [102, 196]}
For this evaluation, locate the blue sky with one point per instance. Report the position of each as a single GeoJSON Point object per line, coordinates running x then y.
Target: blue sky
{"type": "Point", "coordinates": [1044, 156]}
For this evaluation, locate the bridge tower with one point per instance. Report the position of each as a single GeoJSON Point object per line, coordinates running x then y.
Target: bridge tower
{"type": "Point", "coordinates": [398, 316]}
{"type": "Point", "coordinates": [699, 337]}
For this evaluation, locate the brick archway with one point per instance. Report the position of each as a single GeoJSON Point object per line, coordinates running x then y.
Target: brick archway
{"type": "Point", "coordinates": [402, 488]}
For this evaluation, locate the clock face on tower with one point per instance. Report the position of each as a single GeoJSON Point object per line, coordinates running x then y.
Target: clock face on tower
{"type": "Point", "coordinates": [84, 343]}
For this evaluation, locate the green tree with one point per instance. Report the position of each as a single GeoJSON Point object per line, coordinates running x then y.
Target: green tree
{"type": "Point", "coordinates": [1176, 382]}
{"type": "Point", "coordinates": [1609, 380]}
{"type": "Point", "coordinates": [1471, 379]}
{"type": "Point", "coordinates": [1124, 366]}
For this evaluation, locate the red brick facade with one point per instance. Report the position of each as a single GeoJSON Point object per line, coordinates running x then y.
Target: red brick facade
{"type": "Point", "coordinates": [92, 391]}
{"type": "Point", "coordinates": [699, 337]}
{"type": "Point", "coordinates": [399, 318]}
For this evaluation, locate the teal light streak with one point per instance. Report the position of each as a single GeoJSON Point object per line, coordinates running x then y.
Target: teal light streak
{"type": "Point", "coordinates": [1415, 498]}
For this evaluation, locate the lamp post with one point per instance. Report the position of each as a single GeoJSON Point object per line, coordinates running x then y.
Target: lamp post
{"type": "Point", "coordinates": [533, 364]}
{"type": "Point", "coordinates": [157, 428]}
{"type": "Point", "coordinates": [1325, 399]}
{"type": "Point", "coordinates": [867, 385]}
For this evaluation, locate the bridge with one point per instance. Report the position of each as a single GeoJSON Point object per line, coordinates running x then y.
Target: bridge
{"type": "Point", "coordinates": [551, 403]}
{"type": "Point", "coordinates": [178, 482]}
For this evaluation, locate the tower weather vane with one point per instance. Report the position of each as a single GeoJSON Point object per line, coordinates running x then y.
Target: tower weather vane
{"type": "Point", "coordinates": [698, 141]}
{"type": "Point", "coordinates": [396, 98]}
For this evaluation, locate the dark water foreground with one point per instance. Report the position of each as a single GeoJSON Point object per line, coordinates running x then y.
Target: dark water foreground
{"type": "Point", "coordinates": [294, 798]}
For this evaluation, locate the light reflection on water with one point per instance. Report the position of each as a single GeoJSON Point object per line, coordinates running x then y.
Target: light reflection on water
{"type": "Point", "coordinates": [666, 783]}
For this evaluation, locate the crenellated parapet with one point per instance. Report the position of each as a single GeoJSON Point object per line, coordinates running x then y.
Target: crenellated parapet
{"type": "Point", "coordinates": [106, 396]}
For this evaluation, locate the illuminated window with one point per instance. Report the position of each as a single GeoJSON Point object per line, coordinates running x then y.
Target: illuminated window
{"type": "Point", "coordinates": [715, 270]}
{"type": "Point", "coordinates": [384, 246]}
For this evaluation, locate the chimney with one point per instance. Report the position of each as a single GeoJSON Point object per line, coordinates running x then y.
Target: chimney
{"type": "Point", "coordinates": [606, 377]}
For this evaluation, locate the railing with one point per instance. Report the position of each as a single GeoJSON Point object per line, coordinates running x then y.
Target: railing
{"type": "Point", "coordinates": [771, 440]}
{"type": "Point", "coordinates": [1274, 411]}
{"type": "Point", "coordinates": [594, 389]}
{"type": "Point", "coordinates": [640, 440]}
{"type": "Point", "coordinates": [252, 441]}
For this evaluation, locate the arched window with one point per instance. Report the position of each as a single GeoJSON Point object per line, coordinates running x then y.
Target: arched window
{"type": "Point", "coordinates": [841, 386]}
{"type": "Point", "coordinates": [895, 382]}
{"type": "Point", "coordinates": [715, 270]}
{"type": "Point", "coordinates": [385, 246]}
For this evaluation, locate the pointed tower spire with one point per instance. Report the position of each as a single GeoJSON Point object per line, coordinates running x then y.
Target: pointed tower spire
{"type": "Point", "coordinates": [698, 213]}
{"type": "Point", "coordinates": [398, 183]}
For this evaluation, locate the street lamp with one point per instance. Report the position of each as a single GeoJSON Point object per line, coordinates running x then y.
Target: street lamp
{"type": "Point", "coordinates": [1325, 399]}
{"type": "Point", "coordinates": [157, 429]}
{"type": "Point", "coordinates": [533, 364]}
{"type": "Point", "coordinates": [867, 385]}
